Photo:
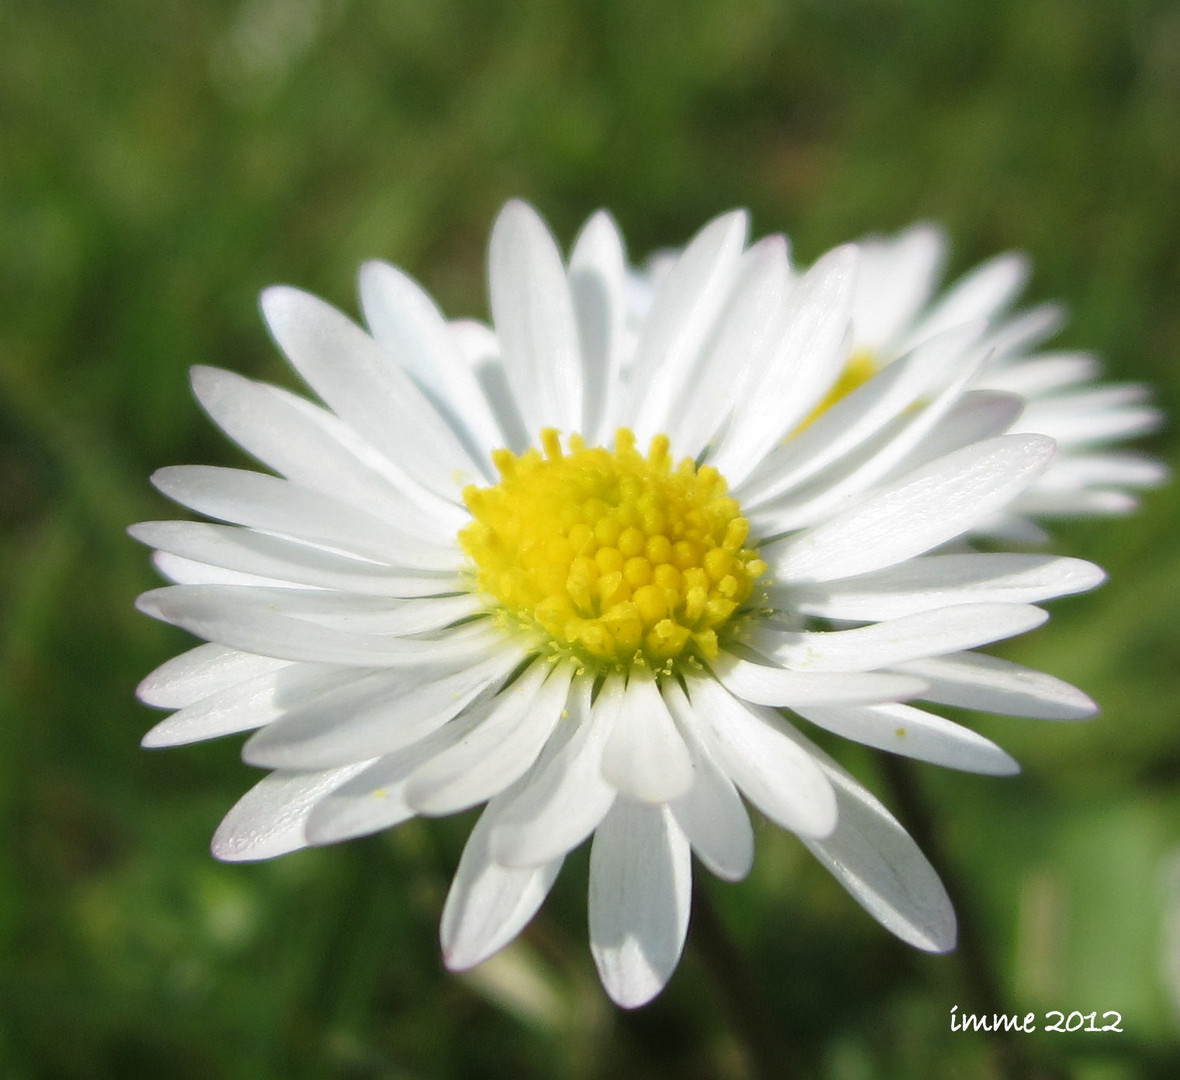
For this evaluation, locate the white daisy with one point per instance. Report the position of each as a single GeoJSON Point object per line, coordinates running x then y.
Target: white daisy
{"type": "Point", "coordinates": [895, 308]}
{"type": "Point", "coordinates": [569, 568]}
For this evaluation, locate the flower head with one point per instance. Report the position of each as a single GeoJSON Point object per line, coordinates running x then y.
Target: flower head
{"type": "Point", "coordinates": [580, 564]}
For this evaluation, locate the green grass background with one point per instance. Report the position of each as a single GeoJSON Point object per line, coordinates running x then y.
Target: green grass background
{"type": "Point", "coordinates": [161, 162]}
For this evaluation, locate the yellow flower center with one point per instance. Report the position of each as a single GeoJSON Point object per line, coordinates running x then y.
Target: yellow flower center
{"type": "Point", "coordinates": [610, 556]}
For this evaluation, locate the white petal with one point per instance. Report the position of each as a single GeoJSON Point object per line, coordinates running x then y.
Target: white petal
{"type": "Point", "coordinates": [1024, 332]}
{"type": "Point", "coordinates": [986, 683]}
{"type": "Point", "coordinates": [1042, 373]}
{"type": "Point", "coordinates": [981, 294]}
{"type": "Point", "coordinates": [897, 277]}
{"type": "Point", "coordinates": [1075, 471]}
{"type": "Point", "coordinates": [687, 302]}
{"type": "Point", "coordinates": [341, 816]}
{"type": "Point", "coordinates": [934, 581]}
{"type": "Point", "coordinates": [1073, 503]}
{"type": "Point", "coordinates": [915, 733]}
{"type": "Point", "coordinates": [340, 610]}
{"type": "Point", "coordinates": [301, 441]}
{"type": "Point", "coordinates": [499, 751]}
{"type": "Point", "coordinates": [483, 348]}
{"type": "Point", "coordinates": [926, 508]}
{"type": "Point", "coordinates": [327, 608]}
{"type": "Point", "coordinates": [375, 799]}
{"type": "Point", "coordinates": [406, 323]}
{"type": "Point", "coordinates": [247, 705]}
{"type": "Point", "coordinates": [556, 809]}
{"type": "Point", "coordinates": [815, 337]}
{"type": "Point", "coordinates": [477, 342]}
{"type": "Point", "coordinates": [280, 506]}
{"type": "Point", "coordinates": [1009, 527]}
{"type": "Point", "coordinates": [365, 388]}
{"type": "Point", "coordinates": [259, 554]}
{"type": "Point", "coordinates": [640, 894]}
{"type": "Point", "coordinates": [1085, 426]}
{"type": "Point", "coordinates": [375, 714]}
{"type": "Point", "coordinates": [763, 756]}
{"type": "Point", "coordinates": [1100, 399]}
{"type": "Point", "coordinates": [711, 813]}
{"type": "Point", "coordinates": [865, 411]}
{"type": "Point", "coordinates": [875, 859]}
{"type": "Point", "coordinates": [977, 415]}
{"type": "Point", "coordinates": [645, 757]}
{"type": "Point", "coordinates": [598, 281]}
{"type": "Point", "coordinates": [764, 684]}
{"type": "Point", "coordinates": [747, 337]}
{"type": "Point", "coordinates": [203, 610]}
{"type": "Point", "coordinates": [865, 467]}
{"type": "Point", "coordinates": [182, 571]}
{"type": "Point", "coordinates": [200, 673]}
{"type": "Point", "coordinates": [489, 904]}
{"type": "Point", "coordinates": [910, 637]}
{"type": "Point", "coordinates": [534, 317]}
{"type": "Point", "coordinates": [268, 820]}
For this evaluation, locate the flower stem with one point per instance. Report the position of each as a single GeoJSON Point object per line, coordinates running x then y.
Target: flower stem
{"type": "Point", "coordinates": [742, 997]}
{"type": "Point", "coordinates": [980, 983]}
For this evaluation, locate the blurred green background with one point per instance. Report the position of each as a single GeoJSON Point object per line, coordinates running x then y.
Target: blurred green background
{"type": "Point", "coordinates": [161, 162]}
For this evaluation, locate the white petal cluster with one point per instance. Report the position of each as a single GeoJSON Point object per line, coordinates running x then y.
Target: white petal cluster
{"type": "Point", "coordinates": [342, 627]}
{"type": "Point", "coordinates": [897, 307]}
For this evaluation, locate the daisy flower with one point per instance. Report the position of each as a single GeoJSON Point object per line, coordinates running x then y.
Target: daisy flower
{"type": "Point", "coordinates": [896, 308]}
{"type": "Point", "coordinates": [567, 566]}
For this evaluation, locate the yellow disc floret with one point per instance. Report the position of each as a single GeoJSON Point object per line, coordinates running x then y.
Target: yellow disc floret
{"type": "Point", "coordinates": [611, 556]}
